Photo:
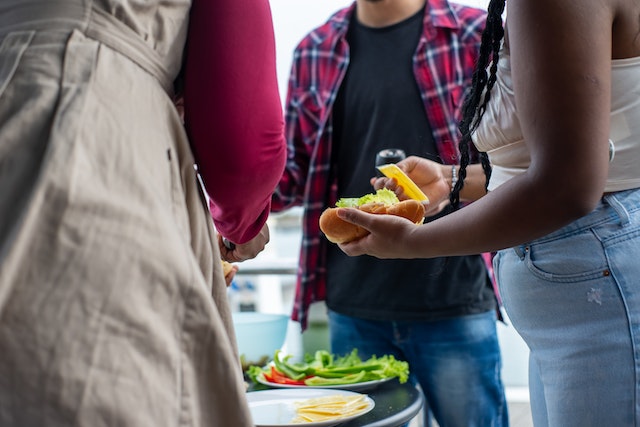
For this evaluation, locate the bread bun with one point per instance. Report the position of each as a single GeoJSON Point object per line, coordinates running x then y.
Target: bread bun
{"type": "Point", "coordinates": [339, 231]}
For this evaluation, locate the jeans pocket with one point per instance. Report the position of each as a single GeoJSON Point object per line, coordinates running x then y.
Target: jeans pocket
{"type": "Point", "coordinates": [570, 258]}
{"type": "Point", "coordinates": [11, 50]}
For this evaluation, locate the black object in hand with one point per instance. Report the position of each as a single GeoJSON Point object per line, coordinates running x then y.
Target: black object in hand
{"type": "Point", "coordinates": [389, 155]}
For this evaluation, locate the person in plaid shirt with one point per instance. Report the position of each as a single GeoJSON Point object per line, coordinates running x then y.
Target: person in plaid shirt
{"type": "Point", "coordinates": [391, 74]}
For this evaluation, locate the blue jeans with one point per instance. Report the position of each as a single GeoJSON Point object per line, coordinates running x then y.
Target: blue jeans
{"type": "Point", "coordinates": [456, 362]}
{"type": "Point", "coordinates": [574, 297]}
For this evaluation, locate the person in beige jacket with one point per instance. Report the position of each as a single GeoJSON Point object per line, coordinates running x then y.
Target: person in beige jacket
{"type": "Point", "coordinates": [113, 307]}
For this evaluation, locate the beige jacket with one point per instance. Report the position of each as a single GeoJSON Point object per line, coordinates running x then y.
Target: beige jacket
{"type": "Point", "coordinates": [113, 307]}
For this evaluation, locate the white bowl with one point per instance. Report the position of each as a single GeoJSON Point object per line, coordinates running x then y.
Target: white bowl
{"type": "Point", "coordinates": [259, 334]}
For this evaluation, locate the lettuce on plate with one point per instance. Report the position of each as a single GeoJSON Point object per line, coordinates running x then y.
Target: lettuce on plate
{"type": "Point", "coordinates": [324, 368]}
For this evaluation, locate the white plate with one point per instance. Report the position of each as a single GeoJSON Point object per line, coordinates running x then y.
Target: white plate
{"type": "Point", "coordinates": [275, 408]}
{"type": "Point", "coordinates": [366, 385]}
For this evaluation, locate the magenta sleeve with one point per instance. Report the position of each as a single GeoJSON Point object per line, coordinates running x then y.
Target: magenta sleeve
{"type": "Point", "coordinates": [233, 111]}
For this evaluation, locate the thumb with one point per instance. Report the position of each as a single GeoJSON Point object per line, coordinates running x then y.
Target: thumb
{"type": "Point", "coordinates": [355, 216]}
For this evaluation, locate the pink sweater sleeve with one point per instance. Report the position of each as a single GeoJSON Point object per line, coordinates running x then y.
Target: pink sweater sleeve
{"type": "Point", "coordinates": [233, 111]}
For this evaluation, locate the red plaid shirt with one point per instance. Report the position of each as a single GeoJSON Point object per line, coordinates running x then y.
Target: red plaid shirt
{"type": "Point", "coordinates": [443, 67]}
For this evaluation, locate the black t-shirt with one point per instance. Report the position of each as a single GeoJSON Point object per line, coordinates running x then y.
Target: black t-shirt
{"type": "Point", "coordinates": [379, 106]}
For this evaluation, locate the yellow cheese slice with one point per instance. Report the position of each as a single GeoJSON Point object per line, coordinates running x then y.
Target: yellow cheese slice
{"type": "Point", "coordinates": [328, 408]}
{"type": "Point", "coordinates": [410, 188]}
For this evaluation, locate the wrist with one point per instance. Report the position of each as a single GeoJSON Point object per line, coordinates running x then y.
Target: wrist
{"type": "Point", "coordinates": [227, 244]}
{"type": "Point", "coordinates": [454, 176]}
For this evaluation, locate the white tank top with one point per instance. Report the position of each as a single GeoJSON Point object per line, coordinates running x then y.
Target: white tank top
{"type": "Point", "coordinates": [500, 136]}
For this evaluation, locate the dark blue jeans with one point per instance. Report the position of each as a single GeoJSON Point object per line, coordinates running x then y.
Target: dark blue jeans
{"type": "Point", "coordinates": [456, 362]}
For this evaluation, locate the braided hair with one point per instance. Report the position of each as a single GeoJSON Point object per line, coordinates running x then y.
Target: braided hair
{"type": "Point", "coordinates": [476, 101]}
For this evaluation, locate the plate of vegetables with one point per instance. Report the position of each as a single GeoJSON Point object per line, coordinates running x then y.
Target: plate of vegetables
{"type": "Point", "coordinates": [325, 370]}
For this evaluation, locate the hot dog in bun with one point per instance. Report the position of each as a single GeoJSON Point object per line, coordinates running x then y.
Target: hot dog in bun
{"type": "Point", "coordinates": [384, 201]}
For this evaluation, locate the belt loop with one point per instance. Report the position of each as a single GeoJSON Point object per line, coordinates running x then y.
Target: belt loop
{"type": "Point", "coordinates": [520, 251]}
{"type": "Point", "coordinates": [619, 208]}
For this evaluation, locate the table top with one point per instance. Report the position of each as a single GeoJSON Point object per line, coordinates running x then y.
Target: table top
{"type": "Point", "coordinates": [396, 404]}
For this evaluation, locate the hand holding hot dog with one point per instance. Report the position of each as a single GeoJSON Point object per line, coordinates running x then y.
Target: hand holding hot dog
{"type": "Point", "coordinates": [382, 202]}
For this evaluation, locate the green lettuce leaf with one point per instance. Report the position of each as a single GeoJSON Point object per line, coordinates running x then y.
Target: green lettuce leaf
{"type": "Point", "coordinates": [383, 195]}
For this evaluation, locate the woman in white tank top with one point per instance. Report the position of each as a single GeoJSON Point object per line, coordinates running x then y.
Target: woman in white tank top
{"type": "Point", "coordinates": [561, 124]}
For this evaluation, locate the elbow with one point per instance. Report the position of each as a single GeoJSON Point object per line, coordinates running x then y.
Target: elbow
{"type": "Point", "coordinates": [581, 207]}
{"type": "Point", "coordinates": [263, 171]}
{"type": "Point", "coordinates": [572, 190]}
{"type": "Point", "coordinates": [580, 201]}
{"type": "Point", "coordinates": [269, 165]}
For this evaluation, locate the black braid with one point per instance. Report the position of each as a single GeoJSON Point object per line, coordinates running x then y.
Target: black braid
{"type": "Point", "coordinates": [475, 103]}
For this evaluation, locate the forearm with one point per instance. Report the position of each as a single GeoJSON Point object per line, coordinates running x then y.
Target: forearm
{"type": "Point", "coordinates": [233, 111]}
{"type": "Point", "coordinates": [525, 208]}
{"type": "Point", "coordinates": [519, 211]}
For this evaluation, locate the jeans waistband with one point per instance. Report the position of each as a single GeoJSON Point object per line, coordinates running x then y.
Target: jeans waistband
{"type": "Point", "coordinates": [614, 207]}
{"type": "Point", "coordinates": [613, 200]}
{"type": "Point", "coordinates": [93, 22]}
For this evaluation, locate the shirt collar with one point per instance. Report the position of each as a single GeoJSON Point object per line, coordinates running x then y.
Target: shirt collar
{"type": "Point", "coordinates": [439, 14]}
{"type": "Point", "coordinates": [341, 19]}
